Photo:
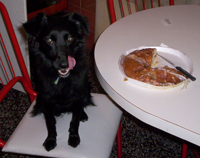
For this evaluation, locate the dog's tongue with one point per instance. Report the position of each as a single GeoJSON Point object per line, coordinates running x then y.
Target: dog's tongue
{"type": "Point", "coordinates": [65, 72]}
{"type": "Point", "coordinates": [72, 62]}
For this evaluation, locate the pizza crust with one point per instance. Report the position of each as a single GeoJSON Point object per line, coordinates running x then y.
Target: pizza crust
{"type": "Point", "coordinates": [141, 66]}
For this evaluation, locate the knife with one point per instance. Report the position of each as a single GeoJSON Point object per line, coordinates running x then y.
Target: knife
{"type": "Point", "coordinates": [179, 68]}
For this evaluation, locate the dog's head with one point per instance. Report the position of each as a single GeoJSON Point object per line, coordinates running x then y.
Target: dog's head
{"type": "Point", "coordinates": [58, 39]}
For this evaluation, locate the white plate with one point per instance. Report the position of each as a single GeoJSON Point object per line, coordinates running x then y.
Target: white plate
{"type": "Point", "coordinates": [175, 56]}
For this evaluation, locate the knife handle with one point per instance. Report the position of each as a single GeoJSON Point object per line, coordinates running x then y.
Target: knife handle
{"type": "Point", "coordinates": [185, 73]}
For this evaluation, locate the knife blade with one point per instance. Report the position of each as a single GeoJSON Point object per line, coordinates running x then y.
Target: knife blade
{"type": "Point", "coordinates": [179, 68]}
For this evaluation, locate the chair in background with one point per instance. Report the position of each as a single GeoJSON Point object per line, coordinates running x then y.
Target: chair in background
{"type": "Point", "coordinates": [128, 9]}
{"type": "Point", "coordinates": [97, 134]}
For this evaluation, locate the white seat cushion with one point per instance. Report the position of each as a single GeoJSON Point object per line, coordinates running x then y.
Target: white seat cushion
{"type": "Point", "coordinates": [97, 134]}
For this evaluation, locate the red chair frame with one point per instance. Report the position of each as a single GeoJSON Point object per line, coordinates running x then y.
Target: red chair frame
{"type": "Point", "coordinates": [24, 79]}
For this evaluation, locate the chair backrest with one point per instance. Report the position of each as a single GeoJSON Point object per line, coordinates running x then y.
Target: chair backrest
{"type": "Point", "coordinates": [126, 6]}
{"type": "Point", "coordinates": [6, 64]}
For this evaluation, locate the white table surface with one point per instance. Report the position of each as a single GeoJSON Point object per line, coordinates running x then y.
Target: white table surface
{"type": "Point", "coordinates": [174, 111]}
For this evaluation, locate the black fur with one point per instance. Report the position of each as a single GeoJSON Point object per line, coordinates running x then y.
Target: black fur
{"type": "Point", "coordinates": [51, 40]}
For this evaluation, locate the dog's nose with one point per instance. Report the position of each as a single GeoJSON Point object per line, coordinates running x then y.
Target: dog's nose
{"type": "Point", "coordinates": [63, 65]}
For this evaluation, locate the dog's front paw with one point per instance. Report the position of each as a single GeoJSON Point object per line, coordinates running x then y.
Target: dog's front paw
{"type": "Point", "coordinates": [50, 143]}
{"type": "Point", "coordinates": [74, 140]}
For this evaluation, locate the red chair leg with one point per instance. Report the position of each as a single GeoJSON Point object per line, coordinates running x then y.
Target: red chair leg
{"type": "Point", "coordinates": [119, 142]}
{"type": "Point", "coordinates": [2, 143]}
{"type": "Point", "coordinates": [184, 150]}
{"type": "Point", "coordinates": [196, 154]}
{"type": "Point", "coordinates": [171, 2]}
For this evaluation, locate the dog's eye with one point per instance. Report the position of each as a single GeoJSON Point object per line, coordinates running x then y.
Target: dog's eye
{"type": "Point", "coordinates": [70, 39]}
{"type": "Point", "coordinates": [49, 41]}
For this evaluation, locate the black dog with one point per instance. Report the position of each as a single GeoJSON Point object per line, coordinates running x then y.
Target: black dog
{"type": "Point", "coordinates": [57, 43]}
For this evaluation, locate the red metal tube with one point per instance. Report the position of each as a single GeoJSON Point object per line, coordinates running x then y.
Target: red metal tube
{"type": "Point", "coordinates": [112, 11]}
{"type": "Point", "coordinates": [14, 42]}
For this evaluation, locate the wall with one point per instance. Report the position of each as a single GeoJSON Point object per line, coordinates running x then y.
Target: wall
{"type": "Point", "coordinates": [88, 9]}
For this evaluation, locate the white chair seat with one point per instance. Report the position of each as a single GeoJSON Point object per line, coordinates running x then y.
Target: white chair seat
{"type": "Point", "coordinates": [97, 134]}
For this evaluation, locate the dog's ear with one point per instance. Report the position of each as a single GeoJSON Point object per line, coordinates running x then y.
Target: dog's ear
{"type": "Point", "coordinates": [34, 26]}
{"type": "Point", "coordinates": [80, 21]}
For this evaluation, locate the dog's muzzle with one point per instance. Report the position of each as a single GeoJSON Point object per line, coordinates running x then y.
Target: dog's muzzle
{"type": "Point", "coordinates": [64, 72]}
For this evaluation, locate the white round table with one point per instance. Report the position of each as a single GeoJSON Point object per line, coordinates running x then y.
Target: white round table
{"type": "Point", "coordinates": [174, 111]}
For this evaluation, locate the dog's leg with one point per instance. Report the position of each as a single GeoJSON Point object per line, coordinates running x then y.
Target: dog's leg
{"type": "Point", "coordinates": [50, 142]}
{"type": "Point", "coordinates": [47, 109]}
{"type": "Point", "coordinates": [84, 116]}
{"type": "Point", "coordinates": [74, 138]}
